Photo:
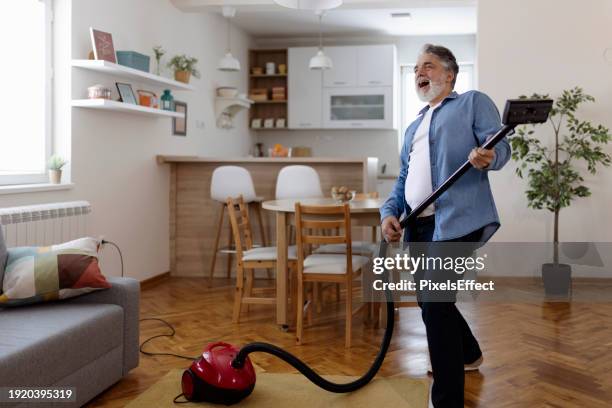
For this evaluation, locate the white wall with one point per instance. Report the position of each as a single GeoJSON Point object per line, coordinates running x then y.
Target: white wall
{"type": "Point", "coordinates": [359, 143]}
{"type": "Point", "coordinates": [113, 154]}
{"type": "Point", "coordinates": [546, 46]}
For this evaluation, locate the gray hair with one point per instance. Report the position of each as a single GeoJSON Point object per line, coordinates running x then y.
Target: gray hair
{"type": "Point", "coordinates": [446, 57]}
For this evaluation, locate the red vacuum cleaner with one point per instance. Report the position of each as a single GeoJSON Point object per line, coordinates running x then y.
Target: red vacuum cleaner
{"type": "Point", "coordinates": [224, 374]}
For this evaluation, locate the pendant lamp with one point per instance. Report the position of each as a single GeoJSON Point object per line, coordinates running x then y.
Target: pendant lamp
{"type": "Point", "coordinates": [320, 60]}
{"type": "Point", "coordinates": [229, 63]}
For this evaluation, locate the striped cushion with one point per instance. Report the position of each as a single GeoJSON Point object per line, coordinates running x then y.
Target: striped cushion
{"type": "Point", "coordinates": [267, 254]}
{"type": "Point", "coordinates": [39, 274]}
{"type": "Point", "coordinates": [357, 247]}
{"type": "Point", "coordinates": [332, 263]}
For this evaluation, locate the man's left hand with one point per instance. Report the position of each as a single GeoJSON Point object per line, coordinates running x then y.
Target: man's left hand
{"type": "Point", "coordinates": [481, 158]}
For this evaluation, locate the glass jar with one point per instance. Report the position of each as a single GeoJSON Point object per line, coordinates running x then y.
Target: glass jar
{"type": "Point", "coordinates": [167, 100]}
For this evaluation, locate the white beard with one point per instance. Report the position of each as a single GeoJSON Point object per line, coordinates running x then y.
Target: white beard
{"type": "Point", "coordinates": [435, 89]}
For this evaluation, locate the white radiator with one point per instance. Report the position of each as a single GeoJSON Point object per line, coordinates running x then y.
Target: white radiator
{"type": "Point", "coordinates": [45, 224]}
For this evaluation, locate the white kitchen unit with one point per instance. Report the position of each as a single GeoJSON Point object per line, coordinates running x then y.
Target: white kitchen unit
{"type": "Point", "coordinates": [358, 108]}
{"type": "Point", "coordinates": [359, 92]}
{"type": "Point", "coordinates": [344, 70]}
{"type": "Point", "coordinates": [366, 65]}
{"type": "Point", "coordinates": [376, 65]}
{"type": "Point", "coordinates": [305, 90]}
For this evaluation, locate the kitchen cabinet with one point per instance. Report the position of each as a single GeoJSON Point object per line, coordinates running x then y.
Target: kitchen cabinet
{"type": "Point", "coordinates": [355, 108]}
{"type": "Point", "coordinates": [344, 70]}
{"type": "Point", "coordinates": [376, 65]}
{"type": "Point", "coordinates": [367, 65]}
{"type": "Point", "coordinates": [359, 92]}
{"type": "Point", "coordinates": [306, 90]}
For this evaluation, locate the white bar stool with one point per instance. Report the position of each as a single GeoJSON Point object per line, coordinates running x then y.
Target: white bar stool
{"type": "Point", "coordinates": [226, 182]}
{"type": "Point", "coordinates": [298, 182]}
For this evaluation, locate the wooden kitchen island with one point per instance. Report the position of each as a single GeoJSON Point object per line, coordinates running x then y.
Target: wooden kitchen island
{"type": "Point", "coordinates": [193, 214]}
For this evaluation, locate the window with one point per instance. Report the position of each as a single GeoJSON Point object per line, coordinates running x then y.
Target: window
{"type": "Point", "coordinates": [25, 128]}
{"type": "Point", "coordinates": [411, 105]}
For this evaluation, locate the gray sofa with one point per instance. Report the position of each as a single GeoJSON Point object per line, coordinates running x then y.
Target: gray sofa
{"type": "Point", "coordinates": [88, 342]}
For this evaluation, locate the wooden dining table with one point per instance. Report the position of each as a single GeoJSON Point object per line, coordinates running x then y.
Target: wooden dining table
{"type": "Point", "coordinates": [364, 213]}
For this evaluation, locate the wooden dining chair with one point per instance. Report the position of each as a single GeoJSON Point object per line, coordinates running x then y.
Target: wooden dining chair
{"type": "Point", "coordinates": [359, 247]}
{"type": "Point", "coordinates": [365, 248]}
{"type": "Point", "coordinates": [250, 258]}
{"type": "Point", "coordinates": [322, 268]}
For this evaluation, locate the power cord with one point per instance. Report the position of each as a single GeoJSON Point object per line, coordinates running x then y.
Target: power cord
{"type": "Point", "coordinates": [104, 242]}
{"type": "Point", "coordinates": [148, 353]}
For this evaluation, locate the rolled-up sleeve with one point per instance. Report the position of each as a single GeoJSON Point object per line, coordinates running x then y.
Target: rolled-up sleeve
{"type": "Point", "coordinates": [486, 123]}
{"type": "Point", "coordinates": [395, 204]}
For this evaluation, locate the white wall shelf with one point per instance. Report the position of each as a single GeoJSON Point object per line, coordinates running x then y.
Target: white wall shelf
{"type": "Point", "coordinates": [121, 71]}
{"type": "Point", "coordinates": [105, 104]}
{"type": "Point", "coordinates": [230, 107]}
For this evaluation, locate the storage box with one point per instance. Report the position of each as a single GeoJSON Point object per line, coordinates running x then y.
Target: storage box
{"type": "Point", "coordinates": [278, 93]}
{"type": "Point", "coordinates": [259, 94]}
{"type": "Point", "coordinates": [258, 98]}
{"type": "Point", "coordinates": [301, 151]}
{"type": "Point", "coordinates": [134, 60]}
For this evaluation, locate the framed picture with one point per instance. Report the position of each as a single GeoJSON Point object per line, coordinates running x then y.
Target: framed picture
{"type": "Point", "coordinates": [102, 44]}
{"type": "Point", "coordinates": [179, 125]}
{"type": "Point", "coordinates": [126, 94]}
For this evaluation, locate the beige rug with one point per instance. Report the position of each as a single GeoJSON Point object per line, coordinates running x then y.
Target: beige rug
{"type": "Point", "coordinates": [295, 391]}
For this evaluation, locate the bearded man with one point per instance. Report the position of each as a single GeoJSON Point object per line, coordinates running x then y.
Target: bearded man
{"type": "Point", "coordinates": [448, 130]}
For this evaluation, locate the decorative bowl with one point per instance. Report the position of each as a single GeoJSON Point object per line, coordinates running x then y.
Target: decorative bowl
{"type": "Point", "coordinates": [227, 92]}
{"type": "Point", "coordinates": [343, 195]}
{"type": "Point", "coordinates": [98, 92]}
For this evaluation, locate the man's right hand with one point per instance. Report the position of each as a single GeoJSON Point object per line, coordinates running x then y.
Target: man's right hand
{"type": "Point", "coordinates": [391, 229]}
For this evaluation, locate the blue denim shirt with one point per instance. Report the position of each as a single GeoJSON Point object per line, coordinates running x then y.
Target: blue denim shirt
{"type": "Point", "coordinates": [459, 124]}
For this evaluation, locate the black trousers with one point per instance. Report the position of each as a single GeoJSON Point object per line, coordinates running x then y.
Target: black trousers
{"type": "Point", "coordinates": [450, 340]}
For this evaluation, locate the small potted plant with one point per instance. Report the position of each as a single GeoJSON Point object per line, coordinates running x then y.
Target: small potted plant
{"type": "Point", "coordinates": [184, 67]}
{"type": "Point", "coordinates": [55, 169]}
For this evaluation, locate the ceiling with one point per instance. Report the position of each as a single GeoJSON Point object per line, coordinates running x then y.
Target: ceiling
{"type": "Point", "coordinates": [263, 19]}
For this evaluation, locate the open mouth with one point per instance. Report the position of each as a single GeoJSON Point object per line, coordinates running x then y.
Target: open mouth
{"type": "Point", "coordinates": [422, 83]}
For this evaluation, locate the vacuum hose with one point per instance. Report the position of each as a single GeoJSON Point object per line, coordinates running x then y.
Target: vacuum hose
{"type": "Point", "coordinates": [308, 372]}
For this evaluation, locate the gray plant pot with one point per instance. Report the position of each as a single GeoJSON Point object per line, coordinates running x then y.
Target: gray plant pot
{"type": "Point", "coordinates": [55, 176]}
{"type": "Point", "coordinates": [557, 280]}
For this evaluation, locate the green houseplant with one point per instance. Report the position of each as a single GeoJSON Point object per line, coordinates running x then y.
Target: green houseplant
{"type": "Point", "coordinates": [184, 67]}
{"type": "Point", "coordinates": [55, 165]}
{"type": "Point", "coordinates": [552, 172]}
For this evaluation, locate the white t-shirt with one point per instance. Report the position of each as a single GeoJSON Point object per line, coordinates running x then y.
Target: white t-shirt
{"type": "Point", "coordinates": [418, 180]}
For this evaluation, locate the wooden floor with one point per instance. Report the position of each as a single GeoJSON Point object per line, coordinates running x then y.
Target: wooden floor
{"type": "Point", "coordinates": [550, 355]}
